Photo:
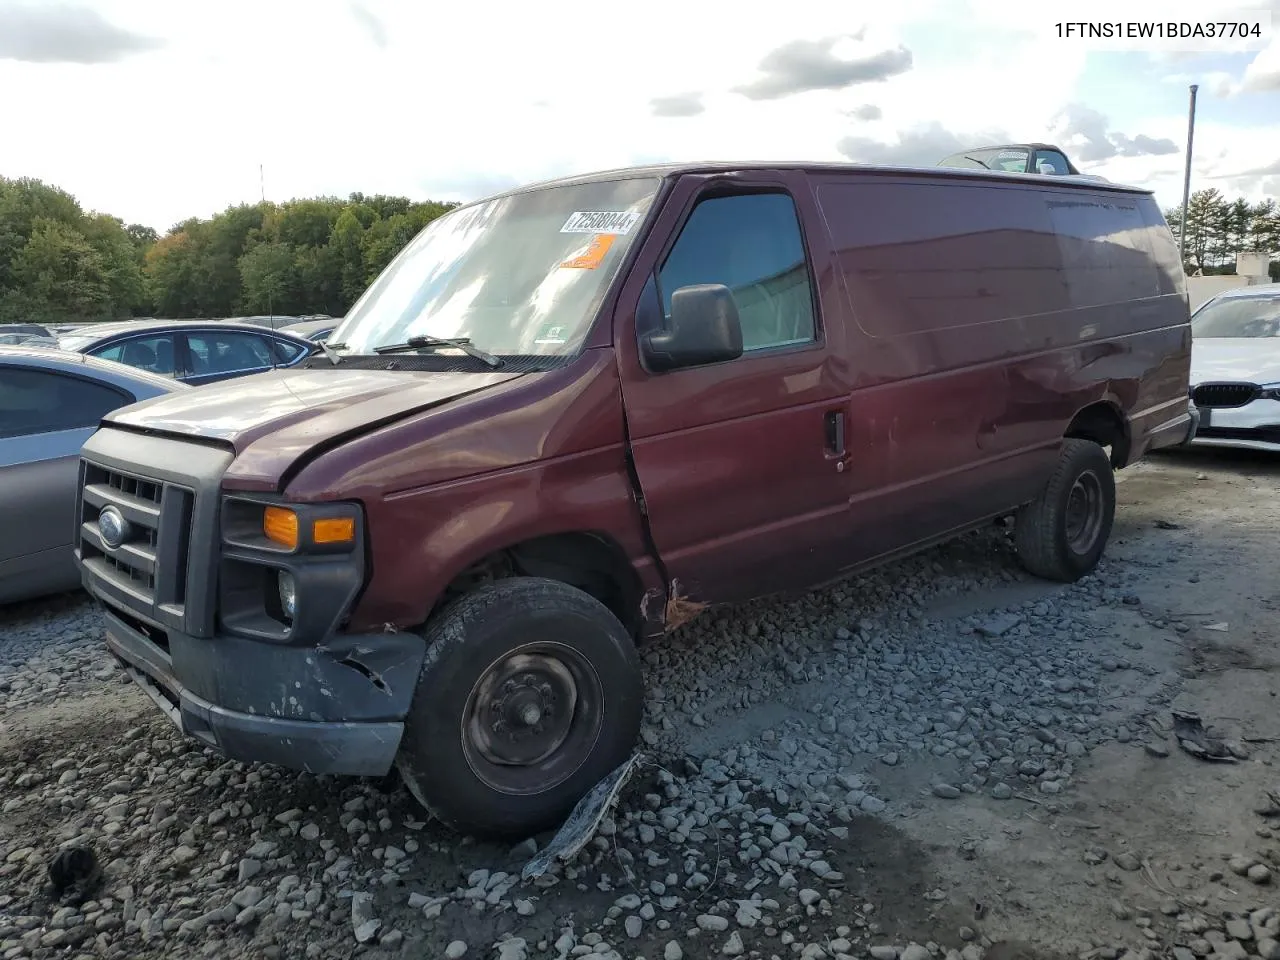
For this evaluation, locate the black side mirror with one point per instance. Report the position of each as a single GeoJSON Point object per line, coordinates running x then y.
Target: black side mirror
{"type": "Point", "coordinates": [704, 328]}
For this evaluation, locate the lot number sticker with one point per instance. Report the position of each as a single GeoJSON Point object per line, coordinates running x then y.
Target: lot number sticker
{"type": "Point", "coordinates": [600, 221]}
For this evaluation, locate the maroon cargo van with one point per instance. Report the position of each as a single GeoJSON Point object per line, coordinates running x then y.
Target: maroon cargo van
{"type": "Point", "coordinates": [570, 417]}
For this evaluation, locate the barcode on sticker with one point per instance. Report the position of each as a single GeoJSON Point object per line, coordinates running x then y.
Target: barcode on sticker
{"type": "Point", "coordinates": [600, 221]}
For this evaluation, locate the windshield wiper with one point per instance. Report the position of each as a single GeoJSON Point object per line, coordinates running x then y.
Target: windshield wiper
{"type": "Point", "coordinates": [423, 340]}
{"type": "Point", "coordinates": [978, 162]}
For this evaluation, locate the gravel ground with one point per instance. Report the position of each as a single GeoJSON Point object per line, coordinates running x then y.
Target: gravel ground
{"type": "Point", "coordinates": [944, 759]}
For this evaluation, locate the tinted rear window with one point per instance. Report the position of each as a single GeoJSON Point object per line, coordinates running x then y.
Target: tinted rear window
{"type": "Point", "coordinates": [41, 401]}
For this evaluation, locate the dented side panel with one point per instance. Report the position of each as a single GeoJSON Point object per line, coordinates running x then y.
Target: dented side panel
{"type": "Point", "coordinates": [743, 494]}
{"type": "Point", "coordinates": [446, 489]}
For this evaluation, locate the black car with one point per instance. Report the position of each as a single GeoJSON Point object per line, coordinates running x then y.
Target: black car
{"type": "Point", "coordinates": [194, 352]}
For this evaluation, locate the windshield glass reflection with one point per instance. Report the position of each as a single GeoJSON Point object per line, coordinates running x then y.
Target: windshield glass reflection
{"type": "Point", "coordinates": [1242, 318]}
{"type": "Point", "coordinates": [517, 275]}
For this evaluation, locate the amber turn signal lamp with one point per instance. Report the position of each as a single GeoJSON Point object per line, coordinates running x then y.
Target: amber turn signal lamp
{"type": "Point", "coordinates": [281, 526]}
{"type": "Point", "coordinates": [334, 530]}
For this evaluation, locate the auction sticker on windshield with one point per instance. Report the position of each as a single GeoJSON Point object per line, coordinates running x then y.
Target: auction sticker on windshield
{"type": "Point", "coordinates": [592, 257]}
{"type": "Point", "coordinates": [600, 221]}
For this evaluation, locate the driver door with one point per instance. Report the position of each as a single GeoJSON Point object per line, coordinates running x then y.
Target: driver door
{"type": "Point", "coordinates": [741, 464]}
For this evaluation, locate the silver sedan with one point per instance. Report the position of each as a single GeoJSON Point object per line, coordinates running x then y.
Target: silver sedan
{"type": "Point", "coordinates": [1235, 369]}
{"type": "Point", "coordinates": [51, 401]}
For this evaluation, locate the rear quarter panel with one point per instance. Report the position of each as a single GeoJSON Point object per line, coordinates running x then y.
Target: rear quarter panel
{"type": "Point", "coordinates": [988, 312]}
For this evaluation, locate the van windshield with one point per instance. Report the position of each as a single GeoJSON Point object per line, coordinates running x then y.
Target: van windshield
{"type": "Point", "coordinates": [1243, 317]}
{"type": "Point", "coordinates": [518, 275]}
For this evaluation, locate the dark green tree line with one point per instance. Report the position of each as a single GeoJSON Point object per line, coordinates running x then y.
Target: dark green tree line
{"type": "Point", "coordinates": [300, 257]}
{"type": "Point", "coordinates": [58, 262]}
{"type": "Point", "coordinates": [1218, 228]}
{"type": "Point", "coordinates": [61, 263]}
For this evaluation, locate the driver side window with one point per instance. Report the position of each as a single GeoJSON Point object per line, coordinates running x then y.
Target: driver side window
{"type": "Point", "coordinates": [751, 243]}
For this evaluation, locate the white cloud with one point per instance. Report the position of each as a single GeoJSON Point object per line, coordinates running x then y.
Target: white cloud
{"type": "Point", "coordinates": [56, 32]}
{"type": "Point", "coordinates": [1232, 159]}
{"type": "Point", "coordinates": [451, 101]}
{"type": "Point", "coordinates": [1263, 73]}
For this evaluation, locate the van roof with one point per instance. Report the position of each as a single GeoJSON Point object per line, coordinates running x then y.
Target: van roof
{"type": "Point", "coordinates": [712, 167]}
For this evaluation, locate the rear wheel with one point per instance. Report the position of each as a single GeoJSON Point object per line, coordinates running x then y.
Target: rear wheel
{"type": "Point", "coordinates": [529, 695]}
{"type": "Point", "coordinates": [1062, 533]}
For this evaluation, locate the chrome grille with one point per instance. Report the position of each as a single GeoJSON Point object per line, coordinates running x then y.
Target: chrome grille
{"type": "Point", "coordinates": [1224, 395]}
{"type": "Point", "coordinates": [151, 565]}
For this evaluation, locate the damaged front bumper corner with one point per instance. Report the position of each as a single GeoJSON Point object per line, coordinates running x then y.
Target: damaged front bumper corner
{"type": "Point", "coordinates": [337, 709]}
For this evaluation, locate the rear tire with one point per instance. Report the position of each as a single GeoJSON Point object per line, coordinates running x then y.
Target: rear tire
{"type": "Point", "coordinates": [1062, 533]}
{"type": "Point", "coordinates": [530, 694]}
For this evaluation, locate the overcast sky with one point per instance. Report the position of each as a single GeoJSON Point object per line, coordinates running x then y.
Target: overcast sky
{"type": "Point", "coordinates": [156, 110]}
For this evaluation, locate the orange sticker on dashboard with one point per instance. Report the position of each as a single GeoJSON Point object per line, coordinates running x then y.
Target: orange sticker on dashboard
{"type": "Point", "coordinates": [594, 254]}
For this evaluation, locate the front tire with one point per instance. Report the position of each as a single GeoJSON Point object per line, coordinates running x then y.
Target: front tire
{"type": "Point", "coordinates": [529, 695]}
{"type": "Point", "coordinates": [1062, 533]}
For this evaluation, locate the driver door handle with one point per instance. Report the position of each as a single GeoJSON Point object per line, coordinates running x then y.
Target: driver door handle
{"type": "Point", "coordinates": [833, 429]}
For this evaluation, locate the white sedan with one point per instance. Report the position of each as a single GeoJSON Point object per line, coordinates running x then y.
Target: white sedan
{"type": "Point", "coordinates": [1235, 369]}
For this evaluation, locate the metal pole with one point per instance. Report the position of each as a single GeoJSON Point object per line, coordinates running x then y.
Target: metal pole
{"type": "Point", "coordinates": [1186, 179]}
{"type": "Point", "coordinates": [262, 188]}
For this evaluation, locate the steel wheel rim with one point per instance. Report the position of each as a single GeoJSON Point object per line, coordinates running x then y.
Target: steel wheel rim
{"type": "Point", "coordinates": [532, 718]}
{"type": "Point", "coordinates": [1084, 512]}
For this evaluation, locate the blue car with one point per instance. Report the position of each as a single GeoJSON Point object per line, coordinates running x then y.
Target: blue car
{"type": "Point", "coordinates": [192, 351]}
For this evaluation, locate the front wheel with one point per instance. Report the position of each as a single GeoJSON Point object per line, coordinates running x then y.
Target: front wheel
{"type": "Point", "coordinates": [1062, 533]}
{"type": "Point", "coordinates": [530, 694]}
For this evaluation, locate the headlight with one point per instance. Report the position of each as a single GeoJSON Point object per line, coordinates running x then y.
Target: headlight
{"type": "Point", "coordinates": [1269, 391]}
{"type": "Point", "coordinates": [288, 594]}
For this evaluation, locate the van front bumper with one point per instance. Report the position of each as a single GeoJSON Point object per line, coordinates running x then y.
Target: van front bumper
{"type": "Point", "coordinates": [337, 709]}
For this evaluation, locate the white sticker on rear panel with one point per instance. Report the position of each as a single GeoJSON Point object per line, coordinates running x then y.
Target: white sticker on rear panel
{"type": "Point", "coordinates": [600, 221]}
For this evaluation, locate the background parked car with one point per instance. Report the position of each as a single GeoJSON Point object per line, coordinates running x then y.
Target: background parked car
{"type": "Point", "coordinates": [316, 331]}
{"type": "Point", "coordinates": [50, 403]}
{"type": "Point", "coordinates": [1235, 368]}
{"type": "Point", "coordinates": [14, 339]}
{"type": "Point", "coordinates": [15, 333]}
{"type": "Point", "coordinates": [38, 329]}
{"type": "Point", "coordinates": [194, 351]}
{"type": "Point", "coordinates": [276, 321]}
{"type": "Point", "coordinates": [1043, 158]}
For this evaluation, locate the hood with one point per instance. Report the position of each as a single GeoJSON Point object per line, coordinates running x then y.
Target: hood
{"type": "Point", "coordinates": [296, 410]}
{"type": "Point", "coordinates": [1250, 359]}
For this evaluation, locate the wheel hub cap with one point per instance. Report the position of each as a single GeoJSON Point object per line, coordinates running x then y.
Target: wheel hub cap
{"type": "Point", "coordinates": [525, 706]}
{"type": "Point", "coordinates": [532, 718]}
{"type": "Point", "coordinates": [1084, 513]}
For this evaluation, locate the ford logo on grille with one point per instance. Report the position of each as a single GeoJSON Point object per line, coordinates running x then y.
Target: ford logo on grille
{"type": "Point", "coordinates": [113, 527]}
